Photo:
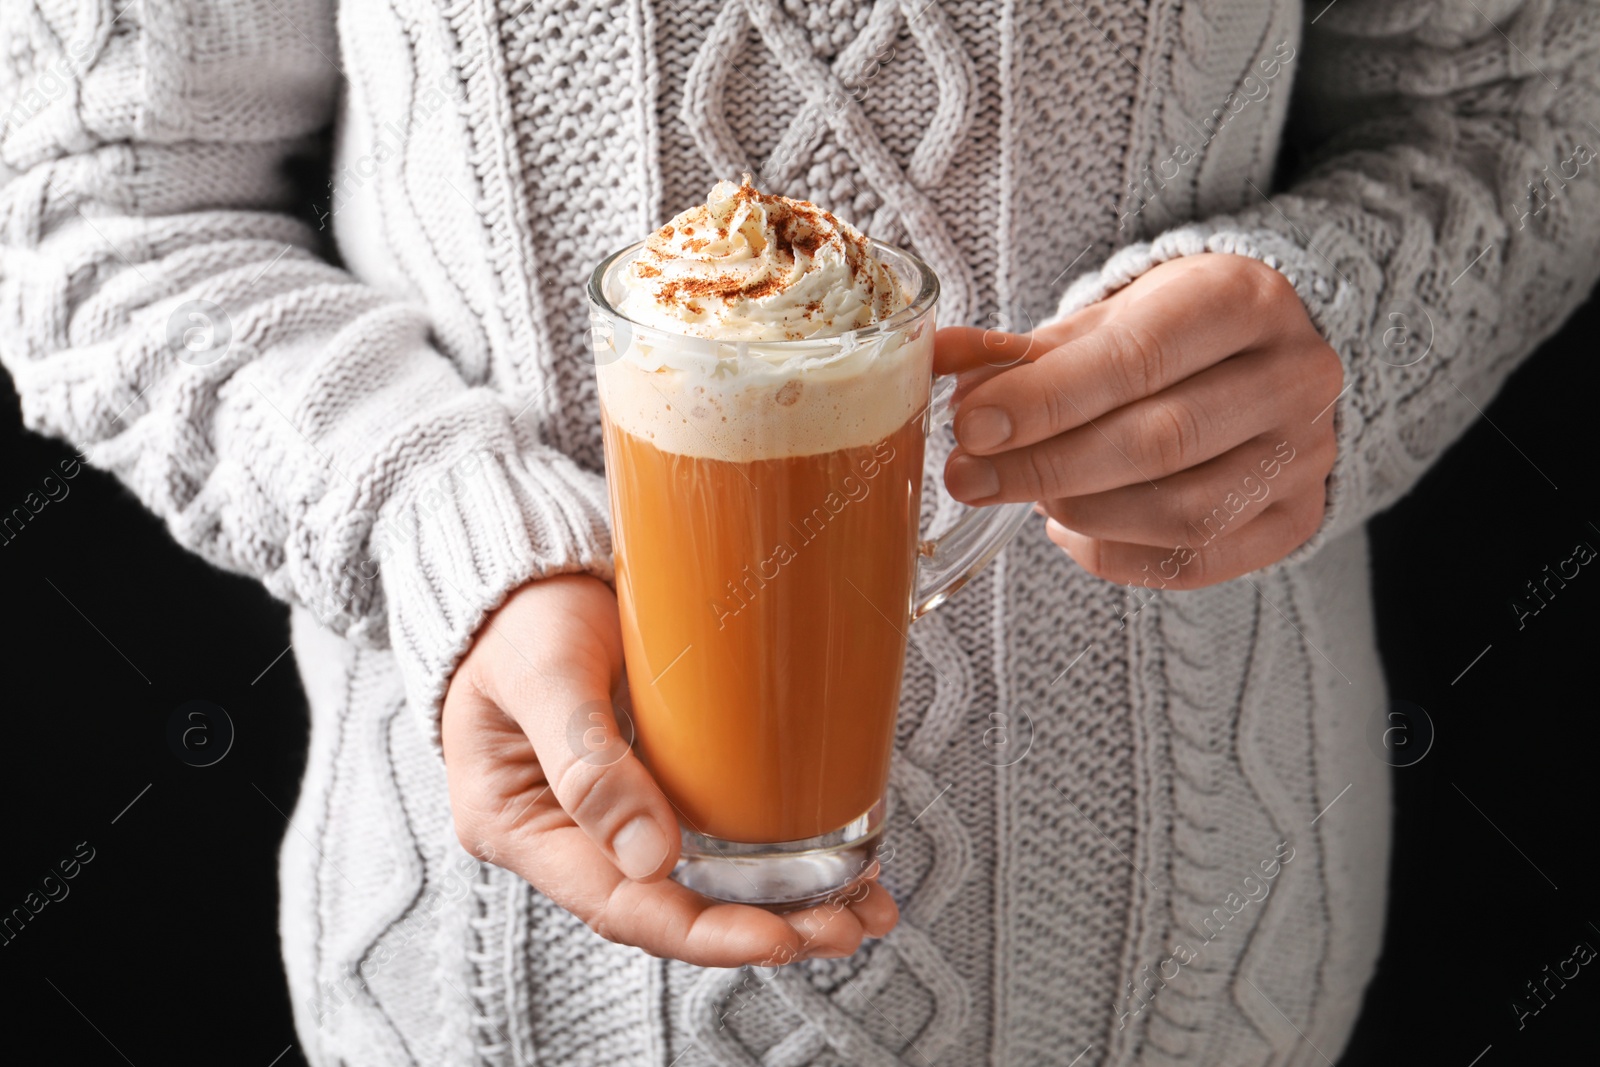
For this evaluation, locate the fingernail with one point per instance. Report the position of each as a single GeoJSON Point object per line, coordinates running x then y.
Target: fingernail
{"type": "Point", "coordinates": [640, 847]}
{"type": "Point", "coordinates": [984, 428]}
{"type": "Point", "coordinates": [971, 478]}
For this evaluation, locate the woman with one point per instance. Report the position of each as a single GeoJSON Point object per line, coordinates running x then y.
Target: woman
{"type": "Point", "coordinates": [1176, 851]}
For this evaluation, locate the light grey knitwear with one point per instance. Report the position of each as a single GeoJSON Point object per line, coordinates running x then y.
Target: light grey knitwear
{"type": "Point", "coordinates": [394, 443]}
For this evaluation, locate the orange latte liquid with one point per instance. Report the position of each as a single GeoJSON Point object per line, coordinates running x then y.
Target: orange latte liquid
{"type": "Point", "coordinates": [764, 610]}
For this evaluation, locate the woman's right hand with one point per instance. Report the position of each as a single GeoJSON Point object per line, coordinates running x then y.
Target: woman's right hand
{"type": "Point", "coordinates": [542, 783]}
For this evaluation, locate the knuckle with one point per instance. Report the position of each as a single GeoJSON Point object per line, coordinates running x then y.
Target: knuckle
{"type": "Point", "coordinates": [578, 788]}
{"type": "Point", "coordinates": [1171, 433]}
{"type": "Point", "coordinates": [1326, 371]}
{"type": "Point", "coordinates": [1241, 281]}
{"type": "Point", "coordinates": [1043, 472]}
{"type": "Point", "coordinates": [1305, 521]}
{"type": "Point", "coordinates": [593, 736]}
{"type": "Point", "coordinates": [1274, 287]}
{"type": "Point", "coordinates": [1056, 410]}
{"type": "Point", "coordinates": [1268, 288]}
{"type": "Point", "coordinates": [1138, 358]}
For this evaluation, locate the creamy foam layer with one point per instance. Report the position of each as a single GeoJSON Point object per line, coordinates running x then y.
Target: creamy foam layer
{"type": "Point", "coordinates": [714, 289]}
{"type": "Point", "coordinates": [766, 405]}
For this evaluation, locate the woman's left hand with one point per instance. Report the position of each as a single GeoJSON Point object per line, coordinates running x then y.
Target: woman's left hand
{"type": "Point", "coordinates": [1178, 433]}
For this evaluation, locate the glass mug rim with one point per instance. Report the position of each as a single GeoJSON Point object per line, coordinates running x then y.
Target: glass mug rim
{"type": "Point", "coordinates": [924, 301]}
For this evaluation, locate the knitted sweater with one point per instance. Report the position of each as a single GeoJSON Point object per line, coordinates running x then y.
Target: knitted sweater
{"type": "Point", "coordinates": [1177, 855]}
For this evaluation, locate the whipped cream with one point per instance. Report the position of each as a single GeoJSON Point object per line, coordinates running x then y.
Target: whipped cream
{"type": "Point", "coordinates": [746, 266]}
{"type": "Point", "coordinates": [749, 305]}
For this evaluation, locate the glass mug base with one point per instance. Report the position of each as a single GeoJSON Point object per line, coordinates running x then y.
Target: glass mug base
{"type": "Point", "coordinates": [783, 875]}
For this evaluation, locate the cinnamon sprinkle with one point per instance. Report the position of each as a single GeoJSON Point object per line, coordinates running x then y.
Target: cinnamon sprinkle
{"type": "Point", "coordinates": [796, 228]}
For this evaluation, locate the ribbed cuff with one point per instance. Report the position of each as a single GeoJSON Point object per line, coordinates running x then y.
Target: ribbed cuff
{"type": "Point", "coordinates": [1331, 305]}
{"type": "Point", "coordinates": [463, 537]}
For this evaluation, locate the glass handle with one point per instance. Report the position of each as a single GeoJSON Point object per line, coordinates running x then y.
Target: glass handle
{"type": "Point", "coordinates": [949, 561]}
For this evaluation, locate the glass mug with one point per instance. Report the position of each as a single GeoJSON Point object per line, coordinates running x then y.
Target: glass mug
{"type": "Point", "coordinates": [765, 503]}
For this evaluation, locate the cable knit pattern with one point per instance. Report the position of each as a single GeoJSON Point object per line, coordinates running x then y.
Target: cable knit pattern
{"type": "Point", "coordinates": [294, 439]}
{"type": "Point", "coordinates": [396, 443]}
{"type": "Point", "coordinates": [1421, 218]}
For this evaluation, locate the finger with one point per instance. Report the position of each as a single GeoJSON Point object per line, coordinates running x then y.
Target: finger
{"type": "Point", "coordinates": [600, 781]}
{"type": "Point", "coordinates": [1179, 329]}
{"type": "Point", "coordinates": [876, 909]}
{"type": "Point", "coordinates": [837, 926]}
{"type": "Point", "coordinates": [973, 350]}
{"type": "Point", "coordinates": [968, 380]}
{"type": "Point", "coordinates": [872, 912]}
{"type": "Point", "coordinates": [663, 918]}
{"type": "Point", "coordinates": [1195, 420]}
{"type": "Point", "coordinates": [562, 703]}
{"type": "Point", "coordinates": [505, 812]}
{"type": "Point", "coordinates": [1279, 530]}
{"type": "Point", "coordinates": [829, 930]}
{"type": "Point", "coordinates": [964, 352]}
{"type": "Point", "coordinates": [1218, 497]}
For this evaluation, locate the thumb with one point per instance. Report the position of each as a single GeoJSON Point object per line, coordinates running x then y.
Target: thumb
{"type": "Point", "coordinates": [588, 759]}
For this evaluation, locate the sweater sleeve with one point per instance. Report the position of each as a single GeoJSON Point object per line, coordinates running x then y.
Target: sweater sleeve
{"type": "Point", "coordinates": [1444, 222]}
{"type": "Point", "coordinates": [162, 308]}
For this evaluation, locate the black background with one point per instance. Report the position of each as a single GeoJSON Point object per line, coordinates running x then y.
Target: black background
{"type": "Point", "coordinates": [165, 949]}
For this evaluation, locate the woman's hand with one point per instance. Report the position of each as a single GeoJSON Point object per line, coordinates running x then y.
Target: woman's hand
{"type": "Point", "coordinates": [542, 783]}
{"type": "Point", "coordinates": [1178, 433]}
